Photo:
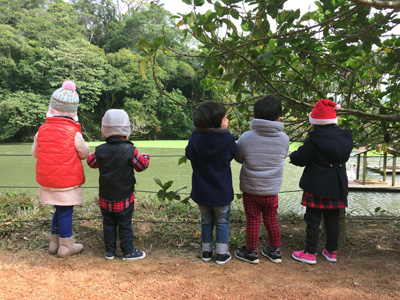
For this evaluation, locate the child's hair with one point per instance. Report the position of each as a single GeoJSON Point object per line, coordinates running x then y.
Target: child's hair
{"type": "Point", "coordinates": [268, 108]}
{"type": "Point", "coordinates": [318, 127]}
{"type": "Point", "coordinates": [209, 115]}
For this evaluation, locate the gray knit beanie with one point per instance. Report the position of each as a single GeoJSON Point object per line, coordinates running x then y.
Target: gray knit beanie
{"type": "Point", "coordinates": [115, 122]}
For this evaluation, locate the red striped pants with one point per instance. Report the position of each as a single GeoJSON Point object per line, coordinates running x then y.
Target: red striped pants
{"type": "Point", "coordinates": [254, 206]}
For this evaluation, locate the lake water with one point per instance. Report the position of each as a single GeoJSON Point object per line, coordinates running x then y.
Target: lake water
{"type": "Point", "coordinates": [19, 171]}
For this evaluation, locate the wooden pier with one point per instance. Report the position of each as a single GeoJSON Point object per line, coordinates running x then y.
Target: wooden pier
{"type": "Point", "coordinates": [361, 183]}
{"type": "Point", "coordinates": [373, 186]}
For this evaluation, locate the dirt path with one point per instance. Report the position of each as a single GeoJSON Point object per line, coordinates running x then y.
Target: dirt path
{"type": "Point", "coordinates": [368, 268]}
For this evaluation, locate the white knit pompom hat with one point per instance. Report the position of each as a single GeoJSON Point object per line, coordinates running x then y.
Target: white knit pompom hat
{"type": "Point", "coordinates": [64, 102]}
{"type": "Point", "coordinates": [115, 122]}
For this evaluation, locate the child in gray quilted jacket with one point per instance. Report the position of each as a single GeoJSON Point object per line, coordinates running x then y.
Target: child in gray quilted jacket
{"type": "Point", "coordinates": [262, 151]}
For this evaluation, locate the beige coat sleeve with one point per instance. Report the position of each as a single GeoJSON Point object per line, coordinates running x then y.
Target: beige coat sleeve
{"type": "Point", "coordinates": [34, 146]}
{"type": "Point", "coordinates": [81, 148]}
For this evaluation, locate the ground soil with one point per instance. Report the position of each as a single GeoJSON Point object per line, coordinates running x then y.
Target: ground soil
{"type": "Point", "coordinates": [368, 267]}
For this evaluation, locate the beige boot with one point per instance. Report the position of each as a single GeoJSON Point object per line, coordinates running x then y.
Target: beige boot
{"type": "Point", "coordinates": [68, 247]}
{"type": "Point", "coordinates": [53, 246]}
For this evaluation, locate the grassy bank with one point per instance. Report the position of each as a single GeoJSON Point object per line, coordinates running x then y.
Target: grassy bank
{"type": "Point", "coordinates": [25, 222]}
{"type": "Point", "coordinates": [169, 225]}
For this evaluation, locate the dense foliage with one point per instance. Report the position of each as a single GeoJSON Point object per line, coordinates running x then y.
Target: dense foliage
{"type": "Point", "coordinates": [340, 51]}
{"type": "Point", "coordinates": [44, 42]}
{"type": "Point", "coordinates": [133, 54]}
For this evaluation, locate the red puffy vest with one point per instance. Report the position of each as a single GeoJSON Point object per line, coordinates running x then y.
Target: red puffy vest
{"type": "Point", "coordinates": [58, 165]}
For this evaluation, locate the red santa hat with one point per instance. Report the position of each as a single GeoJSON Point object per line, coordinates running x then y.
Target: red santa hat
{"type": "Point", "coordinates": [324, 113]}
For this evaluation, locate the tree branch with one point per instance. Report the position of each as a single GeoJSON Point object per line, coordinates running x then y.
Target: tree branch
{"type": "Point", "coordinates": [378, 3]}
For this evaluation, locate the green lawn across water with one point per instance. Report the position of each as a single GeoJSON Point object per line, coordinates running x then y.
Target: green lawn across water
{"type": "Point", "coordinates": [172, 144]}
{"type": "Point", "coordinates": [175, 144]}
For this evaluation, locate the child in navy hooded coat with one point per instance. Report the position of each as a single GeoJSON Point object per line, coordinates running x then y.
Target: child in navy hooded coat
{"type": "Point", "coordinates": [210, 150]}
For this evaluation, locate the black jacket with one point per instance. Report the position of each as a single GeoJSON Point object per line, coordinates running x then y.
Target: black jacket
{"type": "Point", "coordinates": [117, 180]}
{"type": "Point", "coordinates": [324, 155]}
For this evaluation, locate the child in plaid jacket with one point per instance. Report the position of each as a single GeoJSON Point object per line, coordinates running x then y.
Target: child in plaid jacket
{"type": "Point", "coordinates": [116, 160]}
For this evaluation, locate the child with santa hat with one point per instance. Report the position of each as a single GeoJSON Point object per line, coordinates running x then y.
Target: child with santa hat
{"type": "Point", "coordinates": [324, 180]}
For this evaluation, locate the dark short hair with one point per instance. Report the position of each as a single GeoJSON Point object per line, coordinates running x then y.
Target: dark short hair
{"type": "Point", "coordinates": [208, 115]}
{"type": "Point", "coordinates": [319, 127]}
{"type": "Point", "coordinates": [268, 108]}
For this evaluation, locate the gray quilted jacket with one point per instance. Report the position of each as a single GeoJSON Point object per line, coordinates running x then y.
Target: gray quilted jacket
{"type": "Point", "coordinates": [262, 151]}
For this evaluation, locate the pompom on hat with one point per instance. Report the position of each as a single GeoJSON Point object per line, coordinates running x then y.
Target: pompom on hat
{"type": "Point", "coordinates": [324, 113]}
{"type": "Point", "coordinates": [115, 122]}
{"type": "Point", "coordinates": [64, 102]}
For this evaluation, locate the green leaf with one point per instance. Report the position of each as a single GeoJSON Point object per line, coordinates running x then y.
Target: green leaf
{"type": "Point", "coordinates": [191, 19]}
{"type": "Point", "coordinates": [143, 69]}
{"type": "Point", "coordinates": [208, 14]}
{"type": "Point", "coordinates": [186, 200]}
{"type": "Point", "coordinates": [229, 24]}
{"type": "Point", "coordinates": [167, 185]}
{"type": "Point", "coordinates": [210, 27]}
{"type": "Point", "coordinates": [178, 190]}
{"type": "Point", "coordinates": [235, 14]}
{"type": "Point", "coordinates": [272, 44]}
{"type": "Point", "coordinates": [161, 195]}
{"type": "Point", "coordinates": [306, 17]}
{"type": "Point", "coordinates": [158, 41]}
{"type": "Point", "coordinates": [237, 84]}
{"type": "Point", "coordinates": [170, 196]}
{"type": "Point", "coordinates": [182, 160]}
{"type": "Point", "coordinates": [144, 44]}
{"type": "Point", "coordinates": [158, 181]}
{"type": "Point", "coordinates": [198, 2]}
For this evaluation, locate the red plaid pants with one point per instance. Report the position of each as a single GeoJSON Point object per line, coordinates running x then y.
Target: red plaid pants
{"type": "Point", "coordinates": [254, 206]}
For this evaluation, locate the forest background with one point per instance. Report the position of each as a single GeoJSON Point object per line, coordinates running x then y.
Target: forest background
{"type": "Point", "coordinates": [134, 55]}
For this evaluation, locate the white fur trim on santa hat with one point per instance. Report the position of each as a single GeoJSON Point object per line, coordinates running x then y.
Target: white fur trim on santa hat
{"type": "Point", "coordinates": [322, 121]}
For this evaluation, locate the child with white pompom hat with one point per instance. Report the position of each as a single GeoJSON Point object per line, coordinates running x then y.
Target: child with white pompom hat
{"type": "Point", "coordinates": [59, 148]}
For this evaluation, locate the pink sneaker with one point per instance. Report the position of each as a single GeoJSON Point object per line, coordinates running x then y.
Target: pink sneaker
{"type": "Point", "coordinates": [330, 256]}
{"type": "Point", "coordinates": [305, 257]}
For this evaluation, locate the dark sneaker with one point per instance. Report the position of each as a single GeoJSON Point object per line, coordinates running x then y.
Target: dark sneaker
{"type": "Point", "coordinates": [223, 258]}
{"type": "Point", "coordinates": [206, 255]}
{"type": "Point", "coordinates": [245, 254]}
{"type": "Point", "coordinates": [109, 255]}
{"type": "Point", "coordinates": [273, 255]}
{"type": "Point", "coordinates": [135, 255]}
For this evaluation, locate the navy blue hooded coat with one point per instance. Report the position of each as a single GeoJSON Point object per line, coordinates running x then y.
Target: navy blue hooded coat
{"type": "Point", "coordinates": [210, 152]}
